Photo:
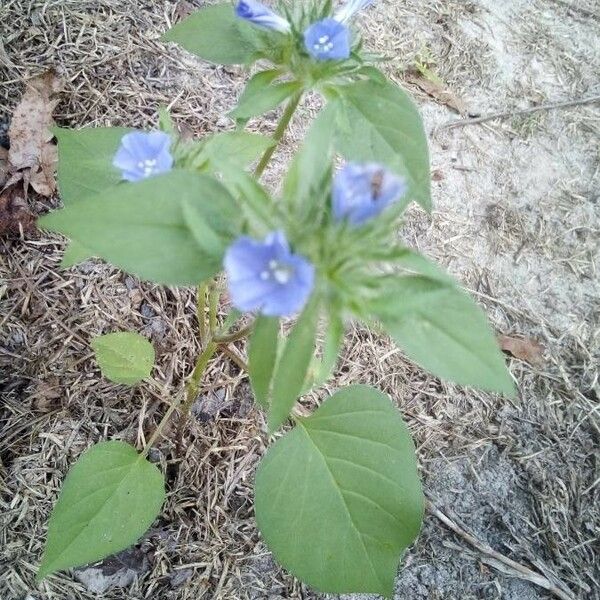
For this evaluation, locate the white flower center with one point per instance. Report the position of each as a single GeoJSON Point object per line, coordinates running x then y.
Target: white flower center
{"type": "Point", "coordinates": [280, 272]}
{"type": "Point", "coordinates": [148, 166]}
{"type": "Point", "coordinates": [324, 44]}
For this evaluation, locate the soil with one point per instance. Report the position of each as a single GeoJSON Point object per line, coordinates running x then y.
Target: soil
{"type": "Point", "coordinates": [516, 220]}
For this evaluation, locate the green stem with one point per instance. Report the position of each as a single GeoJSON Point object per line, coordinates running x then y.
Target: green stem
{"type": "Point", "coordinates": [234, 337]}
{"type": "Point", "coordinates": [159, 428]}
{"type": "Point", "coordinates": [213, 305]}
{"type": "Point", "coordinates": [211, 337]}
{"type": "Point", "coordinates": [193, 384]}
{"type": "Point", "coordinates": [290, 109]}
{"type": "Point", "coordinates": [201, 311]}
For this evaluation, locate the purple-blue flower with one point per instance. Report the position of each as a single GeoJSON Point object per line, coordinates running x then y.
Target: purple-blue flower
{"type": "Point", "coordinates": [328, 40]}
{"type": "Point", "coordinates": [363, 191]}
{"type": "Point", "coordinates": [143, 155]}
{"type": "Point", "coordinates": [267, 277]}
{"type": "Point", "coordinates": [259, 14]}
{"type": "Point", "coordinates": [350, 8]}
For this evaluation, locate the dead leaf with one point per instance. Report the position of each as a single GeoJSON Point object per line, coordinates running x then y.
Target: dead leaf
{"type": "Point", "coordinates": [183, 9]}
{"type": "Point", "coordinates": [46, 395]}
{"type": "Point", "coordinates": [15, 215]}
{"type": "Point", "coordinates": [526, 349]}
{"type": "Point", "coordinates": [437, 90]}
{"type": "Point", "coordinates": [31, 151]}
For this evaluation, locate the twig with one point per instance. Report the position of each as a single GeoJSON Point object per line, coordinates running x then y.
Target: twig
{"type": "Point", "coordinates": [525, 111]}
{"type": "Point", "coordinates": [501, 562]}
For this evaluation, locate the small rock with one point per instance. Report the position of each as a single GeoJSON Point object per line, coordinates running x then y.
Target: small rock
{"type": "Point", "coordinates": [178, 578]}
{"type": "Point", "coordinates": [117, 571]}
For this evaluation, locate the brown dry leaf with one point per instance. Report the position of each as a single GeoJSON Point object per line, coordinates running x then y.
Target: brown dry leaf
{"type": "Point", "coordinates": [15, 215]}
{"type": "Point", "coordinates": [183, 9]}
{"type": "Point", "coordinates": [31, 150]}
{"type": "Point", "coordinates": [437, 90]}
{"type": "Point", "coordinates": [526, 349]}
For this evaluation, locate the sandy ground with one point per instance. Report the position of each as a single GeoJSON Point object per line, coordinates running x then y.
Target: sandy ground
{"type": "Point", "coordinates": [516, 219]}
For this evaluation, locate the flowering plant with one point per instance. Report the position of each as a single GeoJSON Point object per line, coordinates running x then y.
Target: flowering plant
{"type": "Point", "coordinates": [338, 498]}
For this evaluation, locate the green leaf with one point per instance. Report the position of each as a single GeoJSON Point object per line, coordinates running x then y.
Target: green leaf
{"type": "Point", "coordinates": [109, 499]}
{"type": "Point", "coordinates": [338, 499]}
{"type": "Point", "coordinates": [380, 123]}
{"type": "Point", "coordinates": [261, 95]}
{"type": "Point", "coordinates": [444, 331]}
{"type": "Point", "coordinates": [85, 161]}
{"type": "Point", "coordinates": [262, 356]}
{"type": "Point", "coordinates": [239, 148]}
{"type": "Point", "coordinates": [74, 254]}
{"type": "Point", "coordinates": [215, 34]}
{"type": "Point", "coordinates": [124, 357]}
{"type": "Point", "coordinates": [293, 366]}
{"type": "Point", "coordinates": [312, 164]}
{"type": "Point", "coordinates": [144, 227]}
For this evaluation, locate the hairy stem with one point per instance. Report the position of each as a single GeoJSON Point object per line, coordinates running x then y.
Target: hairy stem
{"type": "Point", "coordinates": [290, 109]}
{"type": "Point", "coordinates": [207, 332]}
{"type": "Point", "coordinates": [159, 429]}
{"type": "Point", "coordinates": [201, 311]}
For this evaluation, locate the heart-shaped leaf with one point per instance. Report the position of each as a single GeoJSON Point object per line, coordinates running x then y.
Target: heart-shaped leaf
{"type": "Point", "coordinates": [338, 499]}
{"type": "Point", "coordinates": [109, 499]}
{"type": "Point", "coordinates": [124, 357]}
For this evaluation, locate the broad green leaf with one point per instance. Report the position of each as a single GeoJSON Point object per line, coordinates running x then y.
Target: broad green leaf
{"type": "Point", "coordinates": [74, 254]}
{"type": "Point", "coordinates": [144, 227]}
{"type": "Point", "coordinates": [338, 499]}
{"type": "Point", "coordinates": [85, 161]}
{"type": "Point", "coordinates": [380, 123]}
{"type": "Point", "coordinates": [124, 357]}
{"type": "Point", "coordinates": [109, 498]}
{"type": "Point", "coordinates": [259, 98]}
{"type": "Point", "coordinates": [444, 331]}
{"type": "Point", "coordinates": [312, 164]}
{"type": "Point", "coordinates": [262, 356]}
{"type": "Point", "coordinates": [215, 34]}
{"type": "Point", "coordinates": [239, 148]}
{"type": "Point", "coordinates": [293, 365]}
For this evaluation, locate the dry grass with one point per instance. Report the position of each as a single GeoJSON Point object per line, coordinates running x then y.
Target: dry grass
{"type": "Point", "coordinates": [517, 219]}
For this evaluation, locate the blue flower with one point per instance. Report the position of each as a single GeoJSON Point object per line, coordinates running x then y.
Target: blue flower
{"type": "Point", "coordinates": [350, 8]}
{"type": "Point", "coordinates": [143, 155]}
{"type": "Point", "coordinates": [267, 277]}
{"type": "Point", "coordinates": [328, 40]}
{"type": "Point", "coordinates": [363, 191]}
{"type": "Point", "coordinates": [259, 14]}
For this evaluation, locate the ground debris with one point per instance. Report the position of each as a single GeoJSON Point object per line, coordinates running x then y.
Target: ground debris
{"type": "Point", "coordinates": [523, 348]}
{"type": "Point", "coordinates": [433, 86]}
{"type": "Point", "coordinates": [117, 571]}
{"type": "Point", "coordinates": [31, 157]}
{"type": "Point", "coordinates": [15, 216]}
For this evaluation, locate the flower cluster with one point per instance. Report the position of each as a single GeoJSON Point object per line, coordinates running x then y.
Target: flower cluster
{"type": "Point", "coordinates": [327, 39]}
{"type": "Point", "coordinates": [267, 277]}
